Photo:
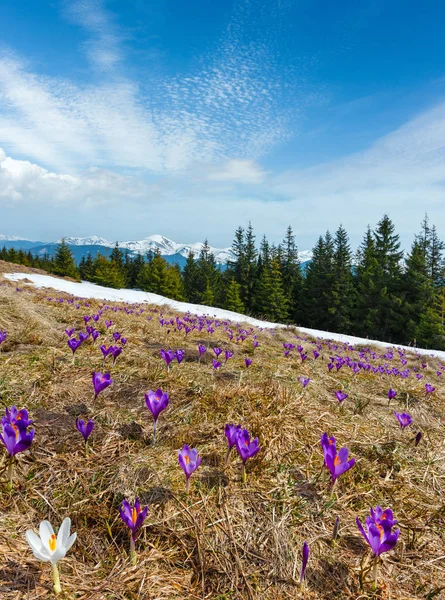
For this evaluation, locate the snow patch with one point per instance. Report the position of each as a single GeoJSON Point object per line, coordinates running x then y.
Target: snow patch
{"type": "Point", "coordinates": [86, 289]}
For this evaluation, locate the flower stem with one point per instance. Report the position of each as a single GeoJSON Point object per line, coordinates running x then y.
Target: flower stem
{"type": "Point", "coordinates": [154, 432]}
{"type": "Point", "coordinates": [375, 571]}
{"type": "Point", "coordinates": [187, 485]}
{"type": "Point", "coordinates": [56, 579]}
{"type": "Point", "coordinates": [243, 473]}
{"type": "Point", "coordinates": [10, 471]}
{"type": "Point", "coordinates": [133, 554]}
{"type": "Point", "coordinates": [86, 449]}
{"type": "Point", "coordinates": [227, 456]}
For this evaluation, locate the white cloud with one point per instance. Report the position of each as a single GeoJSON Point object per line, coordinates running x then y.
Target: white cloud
{"type": "Point", "coordinates": [22, 182]}
{"type": "Point", "coordinates": [237, 170]}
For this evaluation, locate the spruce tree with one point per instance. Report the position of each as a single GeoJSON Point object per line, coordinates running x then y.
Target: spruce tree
{"type": "Point", "coordinates": [250, 280]}
{"type": "Point", "coordinates": [64, 263]}
{"type": "Point", "coordinates": [233, 297]}
{"type": "Point", "coordinates": [271, 300]}
{"type": "Point", "coordinates": [342, 289]}
{"type": "Point", "coordinates": [190, 278]}
{"type": "Point", "coordinates": [106, 273]}
{"type": "Point", "coordinates": [389, 324]}
{"type": "Point", "coordinates": [318, 284]}
{"type": "Point", "coordinates": [366, 287]}
{"type": "Point", "coordinates": [293, 281]}
{"type": "Point", "coordinates": [237, 266]}
{"type": "Point", "coordinates": [86, 268]}
{"type": "Point", "coordinates": [435, 260]}
{"type": "Point", "coordinates": [418, 292]}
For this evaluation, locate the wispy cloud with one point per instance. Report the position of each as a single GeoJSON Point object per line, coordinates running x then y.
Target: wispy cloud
{"type": "Point", "coordinates": [104, 46]}
{"type": "Point", "coordinates": [226, 108]}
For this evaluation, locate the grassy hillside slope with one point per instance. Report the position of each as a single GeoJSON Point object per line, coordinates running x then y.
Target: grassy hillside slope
{"type": "Point", "coordinates": [225, 540]}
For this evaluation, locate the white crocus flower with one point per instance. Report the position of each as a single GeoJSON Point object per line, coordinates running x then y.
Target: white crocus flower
{"type": "Point", "coordinates": [48, 548]}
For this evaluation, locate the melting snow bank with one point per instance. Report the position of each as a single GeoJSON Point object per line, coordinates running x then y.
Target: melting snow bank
{"type": "Point", "coordinates": [86, 289]}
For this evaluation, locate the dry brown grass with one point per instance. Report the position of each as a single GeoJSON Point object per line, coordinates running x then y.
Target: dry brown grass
{"type": "Point", "coordinates": [226, 540]}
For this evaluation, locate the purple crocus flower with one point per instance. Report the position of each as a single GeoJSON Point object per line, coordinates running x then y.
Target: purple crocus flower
{"type": "Point", "coordinates": [15, 438]}
{"type": "Point", "coordinates": [246, 448]}
{"type": "Point", "coordinates": [341, 395]}
{"type": "Point", "coordinates": [69, 332]}
{"type": "Point", "coordinates": [100, 382]}
{"type": "Point", "coordinates": [179, 355]}
{"type": "Point", "coordinates": [133, 517]}
{"type": "Point", "coordinates": [83, 337]}
{"type": "Point", "coordinates": [247, 362]}
{"type": "Point", "coordinates": [391, 394]}
{"type": "Point", "coordinates": [256, 343]}
{"type": "Point", "coordinates": [379, 536]}
{"type": "Point", "coordinates": [95, 334]}
{"type": "Point", "coordinates": [328, 445]}
{"type": "Point", "coordinates": [217, 351]}
{"type": "Point", "coordinates": [316, 354]}
{"type": "Point", "coordinates": [215, 364]}
{"type": "Point", "coordinates": [201, 349]}
{"type": "Point", "coordinates": [74, 345]}
{"type": "Point", "coordinates": [123, 341]}
{"type": "Point", "coordinates": [105, 351]}
{"type": "Point", "coordinates": [227, 355]}
{"type": "Point", "coordinates": [305, 558]}
{"type": "Point", "coordinates": [305, 381]}
{"type": "Point", "coordinates": [167, 356]}
{"type": "Point", "coordinates": [419, 376]}
{"type": "Point", "coordinates": [86, 318]}
{"type": "Point", "coordinates": [116, 336]}
{"type": "Point", "coordinates": [85, 428]}
{"type": "Point", "coordinates": [429, 389]}
{"type": "Point", "coordinates": [108, 324]}
{"type": "Point", "coordinates": [231, 432]}
{"type": "Point", "coordinates": [339, 463]}
{"type": "Point", "coordinates": [156, 402]}
{"type": "Point", "coordinates": [115, 352]}
{"type": "Point", "coordinates": [189, 461]}
{"type": "Point", "coordinates": [404, 419]}
{"type": "Point", "coordinates": [13, 415]}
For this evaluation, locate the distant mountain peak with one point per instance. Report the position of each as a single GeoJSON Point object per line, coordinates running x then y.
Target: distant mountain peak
{"type": "Point", "coordinates": [151, 243]}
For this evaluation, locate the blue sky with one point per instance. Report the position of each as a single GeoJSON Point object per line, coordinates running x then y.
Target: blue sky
{"type": "Point", "coordinates": [124, 119]}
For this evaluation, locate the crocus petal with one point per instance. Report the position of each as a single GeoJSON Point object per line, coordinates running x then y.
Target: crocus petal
{"type": "Point", "coordinates": [64, 532]}
{"type": "Point", "coordinates": [46, 531]}
{"type": "Point", "coordinates": [362, 531]}
{"type": "Point", "coordinates": [35, 543]}
{"type": "Point", "coordinates": [390, 542]}
{"type": "Point", "coordinates": [70, 541]}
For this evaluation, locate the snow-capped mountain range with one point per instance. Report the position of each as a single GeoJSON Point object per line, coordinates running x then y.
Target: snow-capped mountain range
{"type": "Point", "coordinates": [154, 242]}
{"type": "Point", "coordinates": [164, 245]}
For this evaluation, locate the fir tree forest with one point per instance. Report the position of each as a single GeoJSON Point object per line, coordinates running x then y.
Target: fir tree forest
{"type": "Point", "coordinates": [379, 292]}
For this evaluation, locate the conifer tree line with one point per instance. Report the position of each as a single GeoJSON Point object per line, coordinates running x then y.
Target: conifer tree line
{"type": "Point", "coordinates": [378, 292]}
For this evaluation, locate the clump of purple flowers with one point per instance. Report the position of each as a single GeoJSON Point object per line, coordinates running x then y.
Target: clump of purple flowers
{"type": "Point", "coordinates": [15, 435]}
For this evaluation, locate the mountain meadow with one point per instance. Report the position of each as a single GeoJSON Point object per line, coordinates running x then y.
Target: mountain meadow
{"type": "Point", "coordinates": [126, 422]}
